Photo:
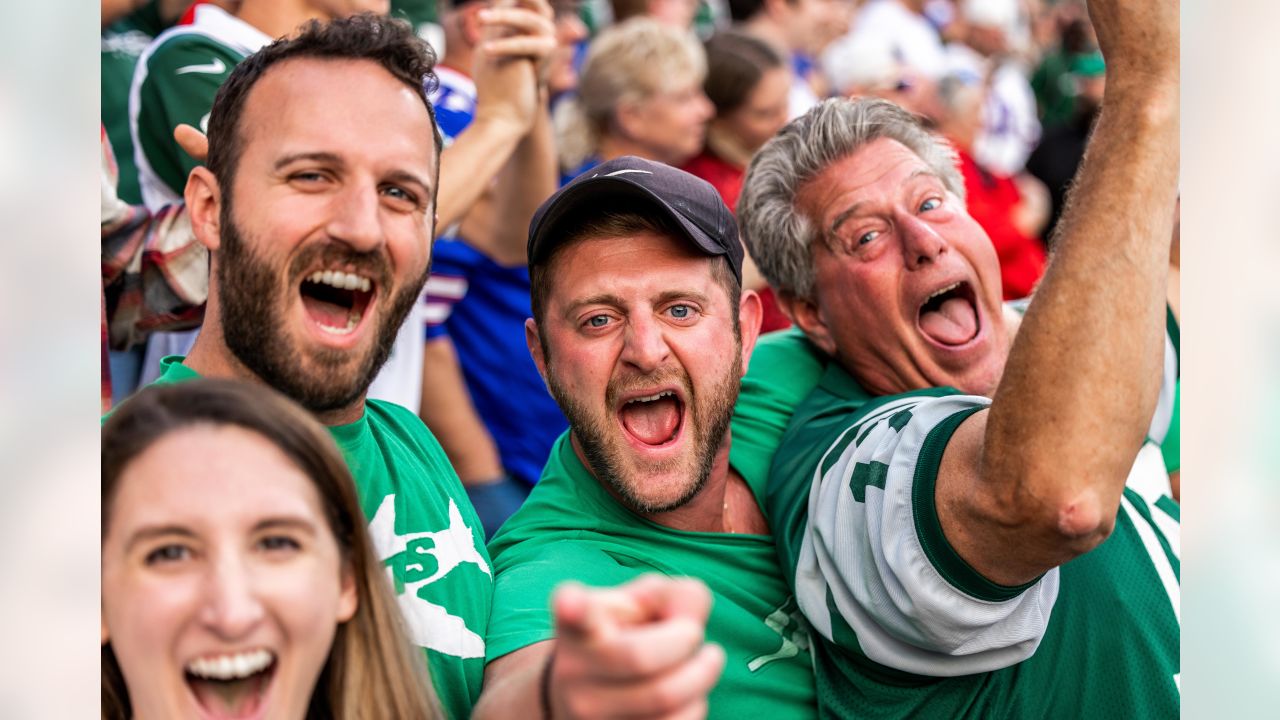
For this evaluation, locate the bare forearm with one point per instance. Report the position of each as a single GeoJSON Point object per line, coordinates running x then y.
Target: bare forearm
{"type": "Point", "coordinates": [1083, 376]}
{"type": "Point", "coordinates": [529, 178]}
{"type": "Point", "coordinates": [513, 684]}
{"type": "Point", "coordinates": [447, 409]}
{"type": "Point", "coordinates": [469, 165]}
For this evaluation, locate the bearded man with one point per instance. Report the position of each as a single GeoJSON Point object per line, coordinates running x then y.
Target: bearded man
{"type": "Point", "coordinates": [642, 332]}
{"type": "Point", "coordinates": [318, 208]}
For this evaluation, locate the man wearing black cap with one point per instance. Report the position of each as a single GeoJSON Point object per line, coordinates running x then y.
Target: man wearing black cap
{"type": "Point", "coordinates": [642, 332]}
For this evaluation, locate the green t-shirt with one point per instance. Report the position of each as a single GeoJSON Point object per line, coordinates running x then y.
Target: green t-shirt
{"type": "Point", "coordinates": [425, 530]}
{"type": "Point", "coordinates": [175, 82]}
{"type": "Point", "coordinates": [903, 627]}
{"type": "Point", "coordinates": [570, 528]}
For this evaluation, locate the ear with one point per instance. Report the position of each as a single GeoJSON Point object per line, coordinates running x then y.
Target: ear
{"type": "Point", "coordinates": [750, 315]}
{"type": "Point", "coordinates": [534, 341]}
{"type": "Point", "coordinates": [349, 595]}
{"type": "Point", "coordinates": [203, 196]}
{"type": "Point", "coordinates": [628, 117]}
{"type": "Point", "coordinates": [808, 317]}
{"type": "Point", "coordinates": [469, 23]}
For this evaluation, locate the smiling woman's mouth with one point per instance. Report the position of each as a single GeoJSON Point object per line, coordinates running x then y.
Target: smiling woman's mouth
{"type": "Point", "coordinates": [336, 301]}
{"type": "Point", "coordinates": [231, 686]}
{"type": "Point", "coordinates": [950, 315]}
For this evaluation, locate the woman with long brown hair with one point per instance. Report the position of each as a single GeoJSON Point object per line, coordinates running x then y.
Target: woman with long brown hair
{"type": "Point", "coordinates": [238, 579]}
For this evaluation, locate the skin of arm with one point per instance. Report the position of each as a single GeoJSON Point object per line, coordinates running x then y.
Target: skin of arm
{"type": "Point", "coordinates": [508, 102]}
{"type": "Point", "coordinates": [447, 409]}
{"type": "Point", "coordinates": [1037, 479]}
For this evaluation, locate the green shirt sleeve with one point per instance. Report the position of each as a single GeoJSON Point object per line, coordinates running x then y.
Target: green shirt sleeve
{"type": "Point", "coordinates": [526, 578]}
{"type": "Point", "coordinates": [182, 78]}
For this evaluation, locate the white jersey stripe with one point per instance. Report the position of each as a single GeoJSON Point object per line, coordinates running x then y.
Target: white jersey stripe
{"type": "Point", "coordinates": [1158, 558]}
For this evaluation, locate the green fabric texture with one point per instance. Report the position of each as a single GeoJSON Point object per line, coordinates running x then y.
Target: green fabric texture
{"type": "Point", "coordinates": [172, 93]}
{"type": "Point", "coordinates": [1111, 647]}
{"type": "Point", "coordinates": [425, 531]}
{"type": "Point", "coordinates": [570, 528]}
{"type": "Point", "coordinates": [122, 44]}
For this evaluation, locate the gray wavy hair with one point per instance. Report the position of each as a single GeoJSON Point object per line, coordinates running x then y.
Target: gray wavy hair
{"type": "Point", "coordinates": [778, 236]}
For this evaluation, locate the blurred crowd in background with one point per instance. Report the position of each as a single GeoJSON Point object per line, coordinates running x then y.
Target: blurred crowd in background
{"type": "Point", "coordinates": [1014, 85]}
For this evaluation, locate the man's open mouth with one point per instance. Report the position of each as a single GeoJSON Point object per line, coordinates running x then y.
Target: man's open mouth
{"type": "Point", "coordinates": [653, 420]}
{"type": "Point", "coordinates": [229, 687]}
{"type": "Point", "coordinates": [949, 317]}
{"type": "Point", "coordinates": [335, 300]}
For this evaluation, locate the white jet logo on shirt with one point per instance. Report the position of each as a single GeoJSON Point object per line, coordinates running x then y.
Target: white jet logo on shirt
{"type": "Point", "coordinates": [430, 625]}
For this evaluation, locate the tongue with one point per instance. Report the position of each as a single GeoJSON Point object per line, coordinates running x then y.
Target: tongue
{"type": "Point", "coordinates": [653, 423]}
{"type": "Point", "coordinates": [326, 313]}
{"type": "Point", "coordinates": [953, 323]}
{"type": "Point", "coordinates": [233, 699]}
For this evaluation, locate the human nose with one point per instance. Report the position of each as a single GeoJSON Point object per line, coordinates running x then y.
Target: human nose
{"type": "Point", "coordinates": [921, 243]}
{"type": "Point", "coordinates": [232, 608]}
{"type": "Point", "coordinates": [644, 346]}
{"type": "Point", "coordinates": [355, 220]}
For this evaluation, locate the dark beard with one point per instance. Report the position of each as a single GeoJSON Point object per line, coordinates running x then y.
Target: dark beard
{"type": "Point", "coordinates": [252, 315]}
{"type": "Point", "coordinates": [709, 426]}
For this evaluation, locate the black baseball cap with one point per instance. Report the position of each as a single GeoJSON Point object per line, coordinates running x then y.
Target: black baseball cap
{"type": "Point", "coordinates": [690, 202]}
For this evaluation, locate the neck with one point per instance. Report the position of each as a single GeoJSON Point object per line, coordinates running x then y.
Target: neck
{"type": "Point", "coordinates": [726, 147]}
{"type": "Point", "coordinates": [615, 146]}
{"type": "Point", "coordinates": [210, 357]}
{"type": "Point", "coordinates": [278, 18]}
{"type": "Point", "coordinates": [725, 504]}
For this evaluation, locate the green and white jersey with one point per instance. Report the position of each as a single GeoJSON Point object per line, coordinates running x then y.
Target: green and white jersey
{"type": "Point", "coordinates": [175, 82]}
{"type": "Point", "coordinates": [903, 627]}
{"type": "Point", "coordinates": [426, 532]}
{"type": "Point", "coordinates": [570, 528]}
{"type": "Point", "coordinates": [122, 44]}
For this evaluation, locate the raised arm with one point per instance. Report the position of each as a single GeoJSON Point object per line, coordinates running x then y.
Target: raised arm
{"type": "Point", "coordinates": [1037, 480]}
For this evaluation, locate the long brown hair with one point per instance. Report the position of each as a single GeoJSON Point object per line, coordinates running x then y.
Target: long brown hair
{"type": "Point", "coordinates": [372, 670]}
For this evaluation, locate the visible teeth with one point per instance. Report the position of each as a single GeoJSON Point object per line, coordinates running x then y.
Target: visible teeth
{"type": "Point", "coordinates": [943, 291]}
{"type": "Point", "coordinates": [231, 667]}
{"type": "Point", "coordinates": [341, 280]}
{"type": "Point", "coordinates": [655, 396]}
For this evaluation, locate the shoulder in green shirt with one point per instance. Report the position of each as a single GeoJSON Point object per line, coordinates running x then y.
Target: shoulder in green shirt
{"type": "Point", "coordinates": [570, 528]}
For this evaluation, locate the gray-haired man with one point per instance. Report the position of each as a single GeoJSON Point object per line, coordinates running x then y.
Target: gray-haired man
{"type": "Point", "coordinates": [997, 552]}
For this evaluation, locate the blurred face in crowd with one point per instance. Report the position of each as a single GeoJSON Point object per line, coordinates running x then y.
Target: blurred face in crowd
{"type": "Point", "coordinates": [643, 356]}
{"type": "Point", "coordinates": [333, 9]}
{"type": "Point", "coordinates": [907, 284]}
{"type": "Point", "coordinates": [670, 125]}
{"type": "Point", "coordinates": [222, 582]}
{"type": "Point", "coordinates": [813, 24]}
{"type": "Point", "coordinates": [763, 113]}
{"type": "Point", "coordinates": [325, 234]}
{"type": "Point", "coordinates": [562, 77]}
{"type": "Point", "coordinates": [676, 13]}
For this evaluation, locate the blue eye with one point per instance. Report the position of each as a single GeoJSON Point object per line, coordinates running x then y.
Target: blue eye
{"type": "Point", "coordinates": [681, 311]}
{"type": "Point", "coordinates": [598, 321]}
{"type": "Point", "coordinates": [400, 193]}
{"type": "Point", "coordinates": [930, 204]}
{"type": "Point", "coordinates": [867, 237]}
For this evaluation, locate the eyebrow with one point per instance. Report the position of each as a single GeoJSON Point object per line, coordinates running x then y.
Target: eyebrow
{"type": "Point", "coordinates": [853, 209]}
{"type": "Point", "coordinates": [285, 522]}
{"type": "Point", "coordinates": [615, 301]}
{"type": "Point", "coordinates": [154, 531]}
{"type": "Point", "coordinates": [324, 157]}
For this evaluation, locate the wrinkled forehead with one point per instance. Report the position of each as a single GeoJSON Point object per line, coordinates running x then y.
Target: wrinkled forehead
{"type": "Point", "coordinates": [876, 170]}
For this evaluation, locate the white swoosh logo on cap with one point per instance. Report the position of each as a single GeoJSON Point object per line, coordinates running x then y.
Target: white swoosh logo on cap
{"type": "Point", "coordinates": [216, 67]}
{"type": "Point", "coordinates": [623, 172]}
